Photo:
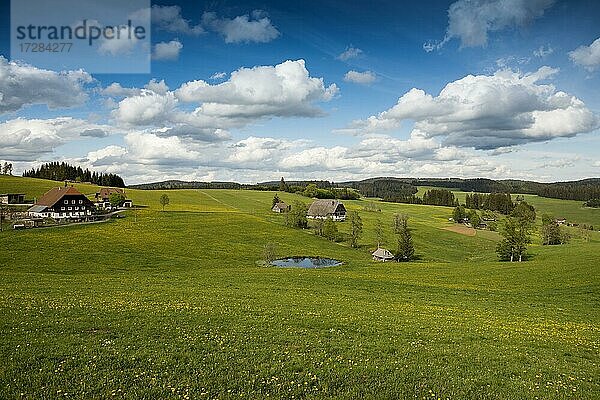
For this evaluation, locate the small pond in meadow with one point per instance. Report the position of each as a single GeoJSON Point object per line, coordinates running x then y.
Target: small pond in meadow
{"type": "Point", "coordinates": [305, 262]}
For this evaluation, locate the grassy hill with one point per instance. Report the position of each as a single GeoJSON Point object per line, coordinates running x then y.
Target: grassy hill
{"type": "Point", "coordinates": [175, 306]}
{"type": "Point", "coordinates": [572, 210]}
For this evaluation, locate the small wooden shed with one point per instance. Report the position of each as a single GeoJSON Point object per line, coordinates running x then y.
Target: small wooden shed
{"type": "Point", "coordinates": [382, 255]}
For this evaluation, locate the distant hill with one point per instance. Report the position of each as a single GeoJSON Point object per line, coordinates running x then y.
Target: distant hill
{"type": "Point", "coordinates": [383, 187]}
{"type": "Point", "coordinates": [176, 184]}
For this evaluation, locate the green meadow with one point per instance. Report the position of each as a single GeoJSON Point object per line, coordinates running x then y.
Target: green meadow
{"type": "Point", "coordinates": [173, 304]}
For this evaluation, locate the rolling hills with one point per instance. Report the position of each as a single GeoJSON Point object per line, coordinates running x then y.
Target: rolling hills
{"type": "Point", "coordinates": [173, 305]}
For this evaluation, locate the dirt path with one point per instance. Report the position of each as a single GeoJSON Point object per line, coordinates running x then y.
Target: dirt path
{"type": "Point", "coordinates": [462, 229]}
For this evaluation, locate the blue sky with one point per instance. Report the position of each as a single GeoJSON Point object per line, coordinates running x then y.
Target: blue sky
{"type": "Point", "coordinates": [252, 91]}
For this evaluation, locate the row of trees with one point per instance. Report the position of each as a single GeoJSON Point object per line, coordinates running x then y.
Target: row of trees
{"type": "Point", "coordinates": [384, 188]}
{"type": "Point", "coordinates": [317, 189]}
{"type": "Point", "coordinates": [434, 197]}
{"type": "Point", "coordinates": [311, 190]}
{"type": "Point", "coordinates": [500, 202]}
{"type": "Point", "coordinates": [594, 203]}
{"type": "Point", "coordinates": [62, 172]}
{"type": "Point", "coordinates": [582, 190]}
{"type": "Point", "coordinates": [439, 197]}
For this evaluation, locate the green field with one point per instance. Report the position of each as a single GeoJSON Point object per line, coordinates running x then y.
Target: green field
{"type": "Point", "coordinates": [175, 306]}
{"type": "Point", "coordinates": [572, 210]}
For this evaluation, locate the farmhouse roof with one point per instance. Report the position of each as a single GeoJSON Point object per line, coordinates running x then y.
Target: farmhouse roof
{"type": "Point", "coordinates": [105, 192]}
{"type": "Point", "coordinates": [37, 209]}
{"type": "Point", "coordinates": [383, 254]}
{"type": "Point", "coordinates": [281, 205]}
{"type": "Point", "coordinates": [324, 207]}
{"type": "Point", "coordinates": [52, 196]}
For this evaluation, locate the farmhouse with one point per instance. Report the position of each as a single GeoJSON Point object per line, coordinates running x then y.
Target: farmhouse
{"type": "Point", "coordinates": [382, 255]}
{"type": "Point", "coordinates": [12, 198]}
{"type": "Point", "coordinates": [62, 203]}
{"type": "Point", "coordinates": [102, 198]}
{"type": "Point", "coordinates": [327, 208]}
{"type": "Point", "coordinates": [281, 207]}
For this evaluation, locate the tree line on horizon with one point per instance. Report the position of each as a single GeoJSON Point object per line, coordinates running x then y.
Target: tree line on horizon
{"type": "Point", "coordinates": [56, 171]}
{"type": "Point", "coordinates": [401, 190]}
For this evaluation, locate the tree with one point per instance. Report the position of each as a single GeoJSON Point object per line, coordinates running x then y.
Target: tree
{"type": "Point", "coordinates": [275, 200]}
{"type": "Point", "coordinates": [330, 230]}
{"type": "Point", "coordinates": [406, 249]}
{"type": "Point", "coordinates": [310, 190]}
{"type": "Point", "coordinates": [1, 215]}
{"type": "Point", "coordinates": [356, 227]}
{"type": "Point", "coordinates": [371, 207]}
{"type": "Point", "coordinates": [318, 225]}
{"type": "Point", "coordinates": [164, 201]}
{"type": "Point", "coordinates": [7, 168]}
{"type": "Point", "coordinates": [584, 233]}
{"type": "Point", "coordinates": [379, 234]}
{"type": "Point", "coordinates": [524, 212]}
{"type": "Point", "coordinates": [595, 203]}
{"type": "Point", "coordinates": [282, 185]}
{"type": "Point", "coordinates": [474, 219]}
{"type": "Point", "coordinates": [459, 214]}
{"type": "Point", "coordinates": [516, 237]}
{"type": "Point", "coordinates": [116, 199]}
{"type": "Point", "coordinates": [551, 232]}
{"type": "Point", "coordinates": [400, 222]}
{"type": "Point", "coordinates": [296, 218]}
{"type": "Point", "coordinates": [270, 252]}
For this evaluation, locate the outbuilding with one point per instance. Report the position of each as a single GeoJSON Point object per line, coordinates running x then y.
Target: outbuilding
{"type": "Point", "coordinates": [382, 255]}
{"type": "Point", "coordinates": [281, 207]}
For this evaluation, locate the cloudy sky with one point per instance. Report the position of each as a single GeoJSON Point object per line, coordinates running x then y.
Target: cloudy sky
{"type": "Point", "coordinates": [252, 91]}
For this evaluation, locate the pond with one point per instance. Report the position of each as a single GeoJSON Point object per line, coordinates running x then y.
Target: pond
{"type": "Point", "coordinates": [306, 262]}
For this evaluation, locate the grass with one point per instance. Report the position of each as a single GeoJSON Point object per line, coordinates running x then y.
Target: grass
{"type": "Point", "coordinates": [572, 210]}
{"type": "Point", "coordinates": [174, 306]}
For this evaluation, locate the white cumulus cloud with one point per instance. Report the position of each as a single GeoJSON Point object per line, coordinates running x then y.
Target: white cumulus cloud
{"type": "Point", "coordinates": [471, 21]}
{"type": "Point", "coordinates": [285, 89]}
{"type": "Point", "coordinates": [146, 108]}
{"type": "Point", "coordinates": [587, 56]}
{"type": "Point", "coordinates": [363, 78]}
{"type": "Point", "coordinates": [169, 18]}
{"type": "Point", "coordinates": [167, 50]}
{"type": "Point", "coordinates": [488, 111]}
{"type": "Point", "coordinates": [22, 85]}
{"type": "Point", "coordinates": [256, 27]}
{"type": "Point", "coordinates": [27, 139]}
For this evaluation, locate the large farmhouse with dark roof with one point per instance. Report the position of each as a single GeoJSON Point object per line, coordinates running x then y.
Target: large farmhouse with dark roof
{"type": "Point", "coordinates": [62, 203]}
{"type": "Point", "coordinates": [327, 208]}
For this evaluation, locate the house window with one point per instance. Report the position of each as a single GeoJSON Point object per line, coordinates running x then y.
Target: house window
{"type": "Point", "coordinates": [70, 208]}
{"type": "Point", "coordinates": [72, 201]}
{"type": "Point", "coordinates": [62, 208]}
{"type": "Point", "coordinates": [76, 208]}
{"type": "Point", "coordinates": [80, 201]}
{"type": "Point", "coordinates": [66, 201]}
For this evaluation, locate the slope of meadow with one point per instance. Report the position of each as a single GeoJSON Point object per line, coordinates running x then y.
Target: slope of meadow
{"type": "Point", "coordinates": [173, 305]}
